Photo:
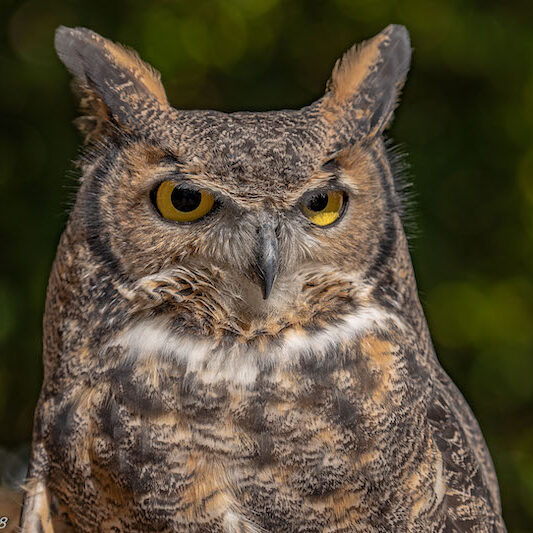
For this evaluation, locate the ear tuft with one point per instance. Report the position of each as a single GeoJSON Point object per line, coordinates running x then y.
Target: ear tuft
{"type": "Point", "coordinates": [109, 74]}
{"type": "Point", "coordinates": [95, 121]}
{"type": "Point", "coordinates": [392, 46]}
{"type": "Point", "coordinates": [366, 82]}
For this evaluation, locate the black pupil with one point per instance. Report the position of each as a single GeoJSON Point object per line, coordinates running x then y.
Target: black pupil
{"type": "Point", "coordinates": [318, 202]}
{"type": "Point", "coordinates": [185, 199]}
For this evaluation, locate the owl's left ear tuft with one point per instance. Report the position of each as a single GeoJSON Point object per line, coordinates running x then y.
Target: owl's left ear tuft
{"type": "Point", "coordinates": [365, 84]}
{"type": "Point", "coordinates": [109, 79]}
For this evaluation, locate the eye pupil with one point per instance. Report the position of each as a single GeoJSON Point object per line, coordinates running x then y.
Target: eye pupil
{"type": "Point", "coordinates": [318, 202]}
{"type": "Point", "coordinates": [185, 199]}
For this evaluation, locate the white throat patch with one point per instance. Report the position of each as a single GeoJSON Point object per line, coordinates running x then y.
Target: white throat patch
{"type": "Point", "coordinates": [241, 363]}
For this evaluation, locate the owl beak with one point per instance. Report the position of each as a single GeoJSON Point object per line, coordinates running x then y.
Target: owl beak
{"type": "Point", "coordinates": [267, 257]}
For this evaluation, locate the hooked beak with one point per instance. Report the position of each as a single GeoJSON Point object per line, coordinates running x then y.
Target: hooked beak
{"type": "Point", "coordinates": [267, 256]}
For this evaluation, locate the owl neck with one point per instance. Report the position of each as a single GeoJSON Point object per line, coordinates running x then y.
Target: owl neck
{"type": "Point", "coordinates": [394, 282]}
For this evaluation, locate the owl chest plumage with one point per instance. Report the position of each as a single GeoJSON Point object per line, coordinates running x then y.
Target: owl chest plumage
{"type": "Point", "coordinates": [340, 437]}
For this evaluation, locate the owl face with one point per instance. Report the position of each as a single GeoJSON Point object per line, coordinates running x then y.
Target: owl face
{"type": "Point", "coordinates": [263, 205]}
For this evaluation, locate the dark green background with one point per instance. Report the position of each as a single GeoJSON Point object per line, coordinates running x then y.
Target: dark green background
{"type": "Point", "coordinates": [466, 119]}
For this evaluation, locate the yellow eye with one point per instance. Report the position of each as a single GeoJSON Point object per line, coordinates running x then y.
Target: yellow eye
{"type": "Point", "coordinates": [182, 204]}
{"type": "Point", "coordinates": [324, 208]}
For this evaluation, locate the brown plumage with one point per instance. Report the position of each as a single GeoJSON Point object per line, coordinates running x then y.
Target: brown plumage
{"type": "Point", "coordinates": [265, 365]}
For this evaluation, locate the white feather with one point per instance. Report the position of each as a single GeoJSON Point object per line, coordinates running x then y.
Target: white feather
{"type": "Point", "coordinates": [241, 363]}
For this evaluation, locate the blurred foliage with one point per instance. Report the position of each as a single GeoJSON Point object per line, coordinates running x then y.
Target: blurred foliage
{"type": "Point", "coordinates": [466, 119]}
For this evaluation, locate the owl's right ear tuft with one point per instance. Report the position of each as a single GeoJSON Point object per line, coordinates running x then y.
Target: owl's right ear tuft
{"type": "Point", "coordinates": [112, 82]}
{"type": "Point", "coordinates": [365, 84]}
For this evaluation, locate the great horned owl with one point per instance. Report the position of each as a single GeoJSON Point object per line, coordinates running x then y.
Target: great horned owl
{"type": "Point", "coordinates": [233, 339]}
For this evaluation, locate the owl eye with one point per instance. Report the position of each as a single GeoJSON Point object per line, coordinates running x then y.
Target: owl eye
{"type": "Point", "coordinates": [182, 204]}
{"type": "Point", "coordinates": [324, 208]}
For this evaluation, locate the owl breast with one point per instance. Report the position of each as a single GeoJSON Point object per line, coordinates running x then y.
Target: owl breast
{"type": "Point", "coordinates": [311, 444]}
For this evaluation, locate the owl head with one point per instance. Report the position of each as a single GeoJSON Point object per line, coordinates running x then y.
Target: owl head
{"type": "Point", "coordinates": [241, 218]}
